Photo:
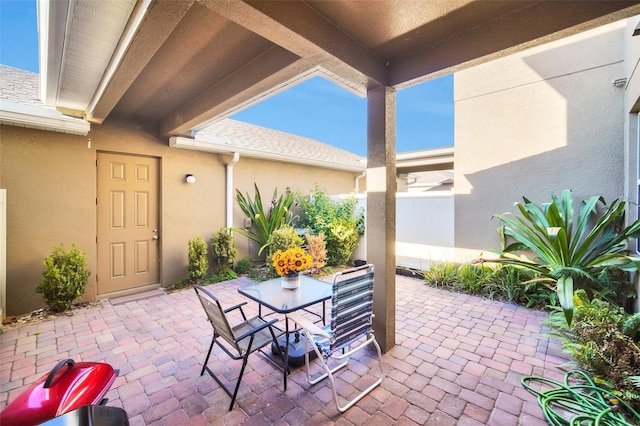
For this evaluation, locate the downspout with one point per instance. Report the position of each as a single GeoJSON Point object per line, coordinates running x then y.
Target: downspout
{"type": "Point", "coordinates": [229, 201]}
{"type": "Point", "coordinates": [357, 181]}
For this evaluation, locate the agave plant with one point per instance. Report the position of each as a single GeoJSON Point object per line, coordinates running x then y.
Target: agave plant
{"type": "Point", "coordinates": [570, 250]}
{"type": "Point", "coordinates": [263, 223]}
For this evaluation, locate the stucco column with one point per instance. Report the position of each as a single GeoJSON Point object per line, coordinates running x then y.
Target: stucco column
{"type": "Point", "coordinates": [381, 209]}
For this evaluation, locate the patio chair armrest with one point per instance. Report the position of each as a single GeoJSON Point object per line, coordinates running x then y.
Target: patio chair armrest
{"type": "Point", "coordinates": [256, 329]}
{"type": "Point", "coordinates": [308, 325]}
{"type": "Point", "coordinates": [239, 305]}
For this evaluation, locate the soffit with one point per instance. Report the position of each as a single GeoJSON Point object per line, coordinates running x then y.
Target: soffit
{"type": "Point", "coordinates": [196, 61]}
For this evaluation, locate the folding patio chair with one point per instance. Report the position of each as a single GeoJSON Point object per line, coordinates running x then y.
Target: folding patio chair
{"type": "Point", "coordinates": [349, 331]}
{"type": "Point", "coordinates": [248, 336]}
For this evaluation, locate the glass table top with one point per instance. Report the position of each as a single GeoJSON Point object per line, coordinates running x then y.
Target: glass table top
{"type": "Point", "coordinates": [271, 294]}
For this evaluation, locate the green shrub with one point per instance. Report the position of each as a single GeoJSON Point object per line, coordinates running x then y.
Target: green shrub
{"type": "Point", "coordinates": [224, 249]}
{"type": "Point", "coordinates": [178, 285]}
{"type": "Point", "coordinates": [227, 274]}
{"type": "Point", "coordinates": [518, 285]}
{"type": "Point", "coordinates": [501, 282]}
{"type": "Point", "coordinates": [598, 345]}
{"type": "Point", "coordinates": [327, 270]}
{"type": "Point", "coordinates": [64, 278]}
{"type": "Point", "coordinates": [339, 220]}
{"type": "Point", "coordinates": [283, 238]}
{"type": "Point", "coordinates": [243, 266]}
{"type": "Point", "coordinates": [198, 263]}
{"type": "Point", "coordinates": [342, 240]}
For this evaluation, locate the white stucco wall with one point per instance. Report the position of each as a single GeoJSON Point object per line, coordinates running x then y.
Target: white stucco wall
{"type": "Point", "coordinates": [537, 122]}
{"type": "Point", "coordinates": [632, 138]}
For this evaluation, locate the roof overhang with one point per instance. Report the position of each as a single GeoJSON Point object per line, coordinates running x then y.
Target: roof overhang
{"type": "Point", "coordinates": [41, 118]}
{"type": "Point", "coordinates": [174, 66]}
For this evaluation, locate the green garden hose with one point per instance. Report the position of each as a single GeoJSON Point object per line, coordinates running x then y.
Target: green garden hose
{"type": "Point", "coordinates": [580, 404]}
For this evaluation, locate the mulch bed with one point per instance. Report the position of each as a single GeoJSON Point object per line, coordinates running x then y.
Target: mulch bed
{"type": "Point", "coordinates": [44, 314]}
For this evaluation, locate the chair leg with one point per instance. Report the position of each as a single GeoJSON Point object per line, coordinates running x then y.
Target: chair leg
{"type": "Point", "coordinates": [330, 371]}
{"type": "Point", "coordinates": [235, 392]}
{"type": "Point", "coordinates": [206, 360]}
{"type": "Point", "coordinates": [364, 393]}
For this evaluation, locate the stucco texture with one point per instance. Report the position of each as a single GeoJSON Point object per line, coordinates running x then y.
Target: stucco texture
{"type": "Point", "coordinates": [536, 123]}
{"type": "Point", "coordinates": [51, 198]}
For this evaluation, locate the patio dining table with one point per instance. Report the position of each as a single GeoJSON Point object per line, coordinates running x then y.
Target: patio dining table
{"type": "Point", "coordinates": [279, 300]}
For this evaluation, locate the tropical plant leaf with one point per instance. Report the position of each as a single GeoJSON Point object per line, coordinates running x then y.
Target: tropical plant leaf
{"type": "Point", "coordinates": [573, 250]}
{"type": "Point", "coordinates": [565, 296]}
{"type": "Point", "coordinates": [263, 223]}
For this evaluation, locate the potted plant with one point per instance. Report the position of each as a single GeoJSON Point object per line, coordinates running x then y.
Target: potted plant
{"type": "Point", "coordinates": [289, 263]}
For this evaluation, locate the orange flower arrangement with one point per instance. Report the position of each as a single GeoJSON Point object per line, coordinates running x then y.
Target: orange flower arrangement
{"type": "Point", "coordinates": [291, 261]}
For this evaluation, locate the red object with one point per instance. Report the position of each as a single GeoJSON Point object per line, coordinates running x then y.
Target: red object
{"type": "Point", "coordinates": [68, 386]}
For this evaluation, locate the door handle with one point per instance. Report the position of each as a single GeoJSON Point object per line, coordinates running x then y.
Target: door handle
{"type": "Point", "coordinates": [155, 237]}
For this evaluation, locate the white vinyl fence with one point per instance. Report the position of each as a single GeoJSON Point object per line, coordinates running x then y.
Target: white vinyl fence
{"type": "Point", "coordinates": [424, 228]}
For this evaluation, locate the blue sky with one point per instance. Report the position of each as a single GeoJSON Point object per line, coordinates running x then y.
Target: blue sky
{"type": "Point", "coordinates": [316, 108]}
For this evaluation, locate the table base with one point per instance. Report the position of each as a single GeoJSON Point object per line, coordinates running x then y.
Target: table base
{"type": "Point", "coordinates": [297, 346]}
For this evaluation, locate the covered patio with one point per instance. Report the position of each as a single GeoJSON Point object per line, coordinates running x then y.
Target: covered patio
{"type": "Point", "coordinates": [458, 360]}
{"type": "Point", "coordinates": [175, 67]}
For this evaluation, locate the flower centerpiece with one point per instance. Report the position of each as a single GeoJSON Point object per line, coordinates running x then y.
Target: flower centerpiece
{"type": "Point", "coordinates": [289, 264]}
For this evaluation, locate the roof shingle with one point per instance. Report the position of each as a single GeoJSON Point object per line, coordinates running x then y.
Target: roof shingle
{"type": "Point", "coordinates": [235, 133]}
{"type": "Point", "coordinates": [20, 86]}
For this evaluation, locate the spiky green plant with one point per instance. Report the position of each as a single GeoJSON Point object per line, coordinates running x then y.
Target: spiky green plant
{"type": "Point", "coordinates": [570, 250]}
{"type": "Point", "coordinates": [264, 222]}
{"type": "Point", "coordinates": [443, 274]}
{"type": "Point", "coordinates": [472, 277]}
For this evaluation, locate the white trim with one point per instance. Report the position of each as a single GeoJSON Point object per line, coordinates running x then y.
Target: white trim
{"type": "Point", "coordinates": [201, 145]}
{"type": "Point", "coordinates": [52, 23]}
{"type": "Point", "coordinates": [229, 192]}
{"type": "Point", "coordinates": [42, 118]}
{"type": "Point", "coordinates": [3, 254]}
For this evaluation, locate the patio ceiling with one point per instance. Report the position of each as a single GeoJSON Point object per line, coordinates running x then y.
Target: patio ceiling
{"type": "Point", "coordinates": [175, 66]}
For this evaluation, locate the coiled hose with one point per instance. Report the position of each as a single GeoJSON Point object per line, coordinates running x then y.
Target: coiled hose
{"type": "Point", "coordinates": [580, 404]}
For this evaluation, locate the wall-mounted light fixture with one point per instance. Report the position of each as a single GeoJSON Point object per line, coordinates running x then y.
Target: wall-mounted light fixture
{"type": "Point", "coordinates": [190, 178]}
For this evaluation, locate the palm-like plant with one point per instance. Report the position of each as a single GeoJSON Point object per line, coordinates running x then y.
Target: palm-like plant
{"type": "Point", "coordinates": [264, 223]}
{"type": "Point", "coordinates": [570, 250]}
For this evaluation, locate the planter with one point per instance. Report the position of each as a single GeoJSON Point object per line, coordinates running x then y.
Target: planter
{"type": "Point", "coordinates": [290, 281]}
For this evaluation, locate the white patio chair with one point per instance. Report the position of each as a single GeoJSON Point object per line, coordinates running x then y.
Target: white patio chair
{"type": "Point", "coordinates": [349, 331]}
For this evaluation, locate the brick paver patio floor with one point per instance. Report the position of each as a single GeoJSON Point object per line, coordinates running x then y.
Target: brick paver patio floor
{"type": "Point", "coordinates": [458, 360]}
